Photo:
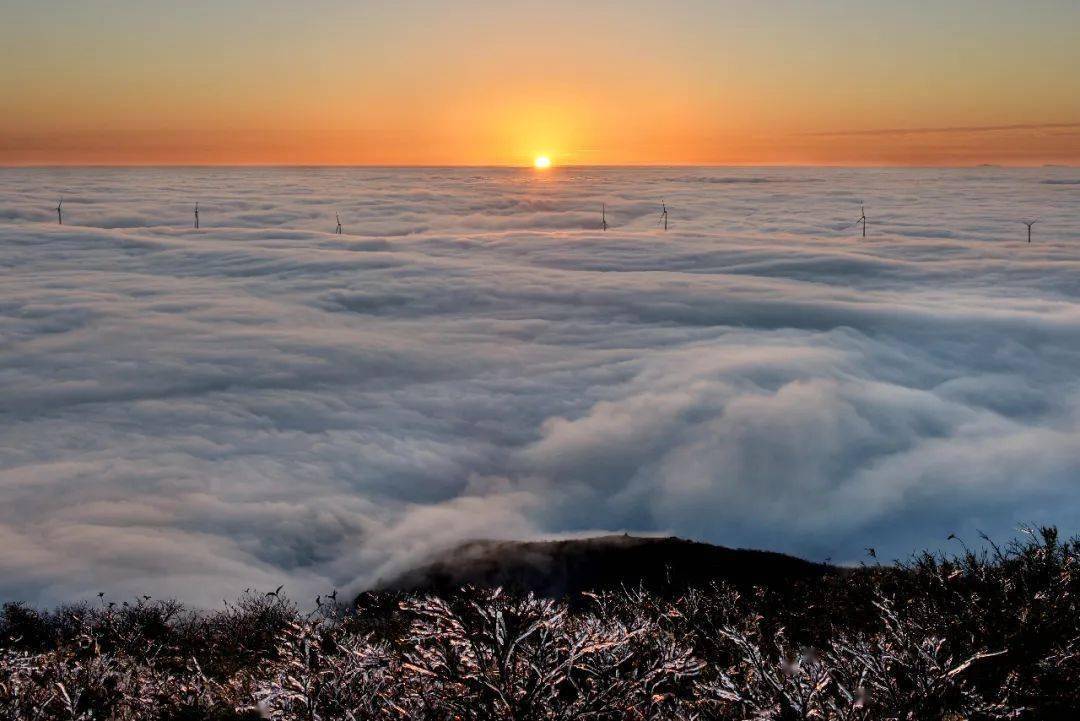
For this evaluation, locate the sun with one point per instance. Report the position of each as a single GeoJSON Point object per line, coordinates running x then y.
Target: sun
{"type": "Point", "coordinates": [542, 162]}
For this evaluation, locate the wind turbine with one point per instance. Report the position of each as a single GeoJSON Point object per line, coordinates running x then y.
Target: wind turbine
{"type": "Point", "coordinates": [60, 211]}
{"type": "Point", "coordinates": [1029, 224]}
{"type": "Point", "coordinates": [338, 216]}
{"type": "Point", "coordinates": [862, 219]}
{"type": "Point", "coordinates": [196, 215]}
{"type": "Point", "coordinates": [663, 215]}
{"type": "Point", "coordinates": [603, 216]}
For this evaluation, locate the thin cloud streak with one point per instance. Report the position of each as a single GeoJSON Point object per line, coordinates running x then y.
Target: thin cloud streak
{"type": "Point", "coordinates": [947, 129]}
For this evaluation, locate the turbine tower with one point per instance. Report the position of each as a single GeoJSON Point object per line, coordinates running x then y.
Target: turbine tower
{"type": "Point", "coordinates": [862, 219]}
{"type": "Point", "coordinates": [1029, 224]}
{"type": "Point", "coordinates": [603, 216]}
{"type": "Point", "coordinates": [60, 211]}
{"type": "Point", "coordinates": [663, 215]}
{"type": "Point", "coordinates": [338, 216]}
{"type": "Point", "coordinates": [196, 215]}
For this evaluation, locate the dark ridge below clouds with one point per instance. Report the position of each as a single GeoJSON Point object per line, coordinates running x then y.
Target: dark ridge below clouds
{"type": "Point", "coordinates": [263, 401]}
{"type": "Point", "coordinates": [570, 567]}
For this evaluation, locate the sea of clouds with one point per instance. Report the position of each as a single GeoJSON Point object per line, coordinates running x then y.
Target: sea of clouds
{"type": "Point", "coordinates": [263, 401]}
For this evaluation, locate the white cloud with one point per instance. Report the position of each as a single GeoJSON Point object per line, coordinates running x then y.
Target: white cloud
{"type": "Point", "coordinates": [263, 401]}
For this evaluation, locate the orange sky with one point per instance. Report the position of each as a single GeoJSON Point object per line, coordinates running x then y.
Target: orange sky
{"type": "Point", "coordinates": [478, 82]}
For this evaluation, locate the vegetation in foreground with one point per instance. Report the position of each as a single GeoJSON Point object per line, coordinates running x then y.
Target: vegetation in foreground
{"type": "Point", "coordinates": [988, 635]}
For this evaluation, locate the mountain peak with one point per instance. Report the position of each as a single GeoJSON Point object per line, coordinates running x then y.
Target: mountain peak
{"type": "Point", "coordinates": [562, 567]}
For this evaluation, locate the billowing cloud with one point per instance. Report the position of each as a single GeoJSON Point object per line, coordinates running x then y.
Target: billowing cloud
{"type": "Point", "coordinates": [263, 401]}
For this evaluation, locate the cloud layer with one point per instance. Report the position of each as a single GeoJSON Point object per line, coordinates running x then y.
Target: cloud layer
{"type": "Point", "coordinates": [263, 401]}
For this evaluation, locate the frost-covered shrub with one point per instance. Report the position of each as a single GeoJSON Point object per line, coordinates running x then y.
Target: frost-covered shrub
{"type": "Point", "coordinates": [992, 635]}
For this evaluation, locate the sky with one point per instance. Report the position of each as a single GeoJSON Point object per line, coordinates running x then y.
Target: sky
{"type": "Point", "coordinates": [263, 401]}
{"type": "Point", "coordinates": [478, 82]}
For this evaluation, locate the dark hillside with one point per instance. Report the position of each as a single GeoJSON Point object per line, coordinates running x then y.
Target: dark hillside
{"type": "Point", "coordinates": [567, 568]}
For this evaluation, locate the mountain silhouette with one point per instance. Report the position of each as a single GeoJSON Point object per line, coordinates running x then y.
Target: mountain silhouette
{"type": "Point", "coordinates": [569, 567]}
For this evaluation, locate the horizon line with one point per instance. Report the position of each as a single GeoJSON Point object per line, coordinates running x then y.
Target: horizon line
{"type": "Point", "coordinates": [554, 167]}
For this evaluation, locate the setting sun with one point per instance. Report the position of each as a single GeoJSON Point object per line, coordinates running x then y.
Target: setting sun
{"type": "Point", "coordinates": [542, 162]}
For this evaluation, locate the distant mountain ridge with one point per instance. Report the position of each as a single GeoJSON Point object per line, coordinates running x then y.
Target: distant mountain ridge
{"type": "Point", "coordinates": [568, 567]}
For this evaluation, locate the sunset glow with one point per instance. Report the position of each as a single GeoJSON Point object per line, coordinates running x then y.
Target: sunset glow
{"type": "Point", "coordinates": [358, 328]}
{"type": "Point", "coordinates": [430, 83]}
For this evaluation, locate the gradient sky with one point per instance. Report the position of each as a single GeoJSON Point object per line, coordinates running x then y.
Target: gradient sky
{"type": "Point", "coordinates": [479, 82]}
